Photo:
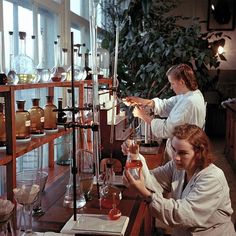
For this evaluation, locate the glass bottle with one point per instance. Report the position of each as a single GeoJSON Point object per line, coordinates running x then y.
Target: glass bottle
{"type": "Point", "coordinates": [36, 78]}
{"type": "Point", "coordinates": [108, 191]}
{"type": "Point", "coordinates": [3, 77]}
{"type": "Point", "coordinates": [23, 64]}
{"type": "Point", "coordinates": [50, 116]}
{"type": "Point", "coordinates": [12, 77]}
{"type": "Point", "coordinates": [43, 72]}
{"type": "Point", "coordinates": [36, 117]}
{"type": "Point", "coordinates": [22, 121]}
{"type": "Point", "coordinates": [2, 126]}
{"type": "Point", "coordinates": [61, 116]}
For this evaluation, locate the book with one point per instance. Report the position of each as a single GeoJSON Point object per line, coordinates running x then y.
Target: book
{"type": "Point", "coordinates": [95, 224]}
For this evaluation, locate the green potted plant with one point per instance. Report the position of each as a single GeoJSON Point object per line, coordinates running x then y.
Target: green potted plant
{"type": "Point", "coordinates": [152, 39]}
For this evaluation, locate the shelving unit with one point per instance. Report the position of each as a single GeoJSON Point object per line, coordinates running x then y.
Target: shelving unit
{"type": "Point", "coordinates": [14, 149]}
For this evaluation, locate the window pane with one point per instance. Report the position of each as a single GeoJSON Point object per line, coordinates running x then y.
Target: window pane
{"type": "Point", "coordinates": [8, 26]}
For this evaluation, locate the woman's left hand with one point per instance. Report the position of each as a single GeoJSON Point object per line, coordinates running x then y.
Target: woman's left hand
{"type": "Point", "coordinates": [142, 114]}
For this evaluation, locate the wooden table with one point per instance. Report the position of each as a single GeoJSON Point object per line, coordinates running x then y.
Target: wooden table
{"type": "Point", "coordinates": [131, 205]}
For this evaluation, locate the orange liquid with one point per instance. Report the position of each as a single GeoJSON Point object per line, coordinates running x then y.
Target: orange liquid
{"type": "Point", "coordinates": [132, 164]}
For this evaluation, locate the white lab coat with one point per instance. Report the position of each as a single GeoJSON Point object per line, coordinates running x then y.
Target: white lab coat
{"type": "Point", "coordinates": [180, 109]}
{"type": "Point", "coordinates": [202, 208]}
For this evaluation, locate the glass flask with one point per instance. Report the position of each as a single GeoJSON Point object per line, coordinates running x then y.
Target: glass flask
{"type": "Point", "coordinates": [114, 213]}
{"type": "Point", "coordinates": [65, 75]}
{"type": "Point", "coordinates": [63, 147]}
{"type": "Point", "coordinates": [12, 77]}
{"type": "Point", "coordinates": [36, 117]}
{"type": "Point", "coordinates": [61, 115]}
{"type": "Point", "coordinates": [108, 190]}
{"type": "Point", "coordinates": [2, 126]}
{"type": "Point", "coordinates": [22, 121]}
{"type": "Point", "coordinates": [43, 72]}
{"type": "Point", "coordinates": [50, 116]}
{"type": "Point", "coordinates": [23, 64]}
{"type": "Point", "coordinates": [103, 61]}
{"type": "Point", "coordinates": [58, 73]}
{"type": "Point", "coordinates": [36, 79]}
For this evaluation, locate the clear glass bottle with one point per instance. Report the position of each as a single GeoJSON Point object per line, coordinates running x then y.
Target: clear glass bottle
{"type": "Point", "coordinates": [43, 72]}
{"type": "Point", "coordinates": [36, 78]}
{"type": "Point", "coordinates": [2, 126]}
{"type": "Point", "coordinates": [12, 77]}
{"type": "Point", "coordinates": [22, 121]}
{"type": "Point", "coordinates": [50, 116]}
{"type": "Point", "coordinates": [109, 193]}
{"type": "Point", "coordinates": [36, 117]}
{"type": "Point", "coordinates": [61, 116]}
{"type": "Point", "coordinates": [23, 64]}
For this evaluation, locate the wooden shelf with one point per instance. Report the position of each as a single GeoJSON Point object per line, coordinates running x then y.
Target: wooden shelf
{"type": "Point", "coordinates": [5, 159]}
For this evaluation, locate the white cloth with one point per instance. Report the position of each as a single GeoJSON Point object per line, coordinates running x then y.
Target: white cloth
{"type": "Point", "coordinates": [180, 109]}
{"type": "Point", "coordinates": [202, 208]}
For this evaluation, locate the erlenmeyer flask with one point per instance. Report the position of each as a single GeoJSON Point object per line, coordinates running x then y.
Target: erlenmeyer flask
{"type": "Point", "coordinates": [23, 64]}
{"type": "Point", "coordinates": [12, 77]}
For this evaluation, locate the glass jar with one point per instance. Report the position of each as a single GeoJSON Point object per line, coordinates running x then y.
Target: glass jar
{"type": "Point", "coordinates": [36, 117]}
{"type": "Point", "coordinates": [61, 116]}
{"type": "Point", "coordinates": [22, 121]}
{"type": "Point", "coordinates": [108, 190]}
{"type": "Point", "coordinates": [103, 61]}
{"type": "Point", "coordinates": [50, 116]}
{"type": "Point", "coordinates": [12, 77]}
{"type": "Point", "coordinates": [24, 64]}
{"type": "Point", "coordinates": [2, 126]}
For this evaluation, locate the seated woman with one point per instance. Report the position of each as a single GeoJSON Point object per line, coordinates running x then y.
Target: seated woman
{"type": "Point", "coordinates": [200, 203]}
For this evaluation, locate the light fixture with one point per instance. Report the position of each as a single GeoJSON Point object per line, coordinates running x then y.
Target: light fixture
{"type": "Point", "coordinates": [220, 50]}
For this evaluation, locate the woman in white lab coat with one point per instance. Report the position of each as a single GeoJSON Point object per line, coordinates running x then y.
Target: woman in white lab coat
{"type": "Point", "coordinates": [200, 204]}
{"type": "Point", "coordinates": [188, 106]}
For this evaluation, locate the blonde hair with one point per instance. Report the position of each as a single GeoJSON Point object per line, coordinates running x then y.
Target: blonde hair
{"type": "Point", "coordinates": [184, 72]}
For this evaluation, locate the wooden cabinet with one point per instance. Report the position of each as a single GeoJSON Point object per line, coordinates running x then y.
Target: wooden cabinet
{"type": "Point", "coordinates": [15, 150]}
{"type": "Point", "coordinates": [230, 147]}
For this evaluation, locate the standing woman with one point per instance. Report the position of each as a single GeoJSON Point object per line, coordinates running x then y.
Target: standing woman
{"type": "Point", "coordinates": [200, 204]}
{"type": "Point", "coordinates": [187, 106]}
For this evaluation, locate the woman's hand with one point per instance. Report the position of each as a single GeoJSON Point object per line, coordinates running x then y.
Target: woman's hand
{"type": "Point", "coordinates": [136, 101]}
{"type": "Point", "coordinates": [137, 184]}
{"type": "Point", "coordinates": [130, 148]}
{"type": "Point", "coordinates": [142, 114]}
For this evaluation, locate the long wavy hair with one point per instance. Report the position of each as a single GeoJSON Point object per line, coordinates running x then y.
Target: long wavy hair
{"type": "Point", "coordinates": [200, 142]}
{"type": "Point", "coordinates": [186, 73]}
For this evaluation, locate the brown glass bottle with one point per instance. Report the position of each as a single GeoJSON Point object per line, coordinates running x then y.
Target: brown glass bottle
{"type": "Point", "coordinates": [2, 127]}
{"type": "Point", "coordinates": [50, 116]}
{"type": "Point", "coordinates": [22, 121]}
{"type": "Point", "coordinates": [36, 117]}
